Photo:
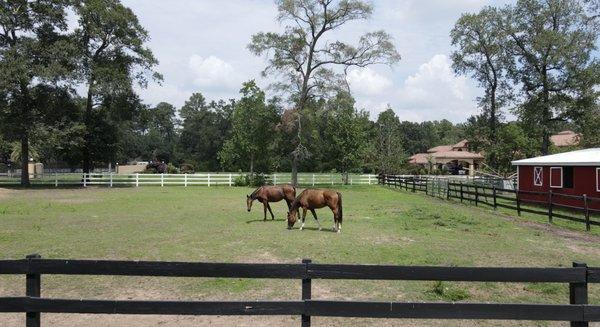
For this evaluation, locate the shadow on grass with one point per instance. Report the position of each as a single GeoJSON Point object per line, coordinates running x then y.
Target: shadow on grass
{"type": "Point", "coordinates": [265, 221]}
{"type": "Point", "coordinates": [315, 229]}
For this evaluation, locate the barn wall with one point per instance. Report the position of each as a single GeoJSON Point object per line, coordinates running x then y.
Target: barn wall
{"type": "Point", "coordinates": [584, 182]}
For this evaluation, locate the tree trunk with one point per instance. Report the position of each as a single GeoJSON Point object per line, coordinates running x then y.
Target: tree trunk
{"type": "Point", "coordinates": [252, 165]}
{"type": "Point", "coordinates": [87, 157]}
{"type": "Point", "coordinates": [295, 170]}
{"type": "Point", "coordinates": [25, 160]}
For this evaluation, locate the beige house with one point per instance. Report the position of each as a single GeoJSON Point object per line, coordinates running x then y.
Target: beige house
{"type": "Point", "coordinates": [454, 157]}
{"type": "Point", "coordinates": [565, 138]}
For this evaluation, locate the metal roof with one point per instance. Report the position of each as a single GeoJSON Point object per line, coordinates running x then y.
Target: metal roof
{"type": "Point", "coordinates": [587, 157]}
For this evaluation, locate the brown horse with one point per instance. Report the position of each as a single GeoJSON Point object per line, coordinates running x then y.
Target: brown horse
{"type": "Point", "coordinates": [311, 199]}
{"type": "Point", "coordinates": [276, 193]}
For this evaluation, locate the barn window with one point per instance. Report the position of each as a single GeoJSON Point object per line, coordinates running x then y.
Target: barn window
{"type": "Point", "coordinates": [556, 177]}
{"type": "Point", "coordinates": [538, 174]}
{"type": "Point", "coordinates": [567, 177]}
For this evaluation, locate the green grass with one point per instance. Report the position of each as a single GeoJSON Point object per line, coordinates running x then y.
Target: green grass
{"type": "Point", "coordinates": [381, 226]}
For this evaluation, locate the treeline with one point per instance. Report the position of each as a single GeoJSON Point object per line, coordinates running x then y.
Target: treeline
{"type": "Point", "coordinates": [251, 133]}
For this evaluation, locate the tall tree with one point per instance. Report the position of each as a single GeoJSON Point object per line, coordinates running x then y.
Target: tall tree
{"type": "Point", "coordinates": [307, 60]}
{"type": "Point", "coordinates": [480, 53]}
{"type": "Point", "coordinates": [33, 50]}
{"type": "Point", "coordinates": [552, 43]}
{"type": "Point", "coordinates": [390, 153]}
{"type": "Point", "coordinates": [253, 124]}
{"type": "Point", "coordinates": [113, 57]}
{"type": "Point", "coordinates": [205, 128]}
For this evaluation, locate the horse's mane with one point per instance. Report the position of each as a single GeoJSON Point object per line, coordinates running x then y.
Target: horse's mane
{"type": "Point", "coordinates": [253, 194]}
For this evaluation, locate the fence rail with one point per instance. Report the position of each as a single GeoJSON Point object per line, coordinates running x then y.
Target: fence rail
{"type": "Point", "coordinates": [578, 312]}
{"type": "Point", "coordinates": [198, 179]}
{"type": "Point", "coordinates": [497, 197]}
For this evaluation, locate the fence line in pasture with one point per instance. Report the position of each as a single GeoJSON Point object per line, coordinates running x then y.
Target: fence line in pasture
{"type": "Point", "coordinates": [498, 197]}
{"type": "Point", "coordinates": [578, 312]}
{"type": "Point", "coordinates": [198, 179]}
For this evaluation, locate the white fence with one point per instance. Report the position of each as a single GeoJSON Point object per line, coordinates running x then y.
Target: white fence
{"type": "Point", "coordinates": [199, 179]}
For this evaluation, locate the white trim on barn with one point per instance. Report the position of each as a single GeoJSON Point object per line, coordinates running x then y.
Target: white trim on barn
{"type": "Point", "coordinates": [538, 176]}
{"type": "Point", "coordinates": [587, 157]}
{"type": "Point", "coordinates": [597, 179]}
{"type": "Point", "coordinates": [561, 177]}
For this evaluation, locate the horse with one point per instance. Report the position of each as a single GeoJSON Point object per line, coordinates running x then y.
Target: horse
{"type": "Point", "coordinates": [311, 199]}
{"type": "Point", "coordinates": [276, 193]}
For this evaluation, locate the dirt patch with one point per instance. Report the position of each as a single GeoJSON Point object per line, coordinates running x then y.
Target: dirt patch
{"type": "Point", "coordinates": [6, 193]}
{"type": "Point", "coordinates": [554, 230]}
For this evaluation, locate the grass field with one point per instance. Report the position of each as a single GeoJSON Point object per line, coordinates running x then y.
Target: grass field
{"type": "Point", "coordinates": [381, 226]}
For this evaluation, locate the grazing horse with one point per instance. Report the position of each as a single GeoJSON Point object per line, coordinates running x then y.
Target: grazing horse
{"type": "Point", "coordinates": [311, 199]}
{"type": "Point", "coordinates": [276, 193]}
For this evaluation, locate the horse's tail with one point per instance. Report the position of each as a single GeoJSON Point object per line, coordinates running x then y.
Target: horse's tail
{"type": "Point", "coordinates": [340, 211]}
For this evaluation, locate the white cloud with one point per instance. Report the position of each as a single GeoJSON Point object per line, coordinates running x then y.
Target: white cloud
{"type": "Point", "coordinates": [366, 81]}
{"type": "Point", "coordinates": [213, 72]}
{"type": "Point", "coordinates": [435, 92]}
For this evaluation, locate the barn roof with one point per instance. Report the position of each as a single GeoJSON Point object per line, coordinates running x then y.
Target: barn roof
{"type": "Point", "coordinates": [440, 148]}
{"type": "Point", "coordinates": [587, 157]}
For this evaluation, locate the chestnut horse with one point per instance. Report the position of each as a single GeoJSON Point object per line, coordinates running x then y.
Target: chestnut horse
{"type": "Point", "coordinates": [311, 199]}
{"type": "Point", "coordinates": [276, 193]}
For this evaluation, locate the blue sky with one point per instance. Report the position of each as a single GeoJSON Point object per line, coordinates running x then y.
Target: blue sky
{"type": "Point", "coordinates": [201, 45]}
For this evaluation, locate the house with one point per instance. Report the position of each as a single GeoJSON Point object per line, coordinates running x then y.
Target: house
{"type": "Point", "coordinates": [565, 174]}
{"type": "Point", "coordinates": [565, 139]}
{"type": "Point", "coordinates": [455, 158]}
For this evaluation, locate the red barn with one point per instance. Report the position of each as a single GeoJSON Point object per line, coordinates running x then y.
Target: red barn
{"type": "Point", "coordinates": [575, 173]}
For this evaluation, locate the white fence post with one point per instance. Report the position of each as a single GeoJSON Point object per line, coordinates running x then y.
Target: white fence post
{"type": "Point", "coordinates": [137, 179]}
{"type": "Point", "coordinates": [55, 179]}
{"type": "Point", "coordinates": [331, 178]}
{"type": "Point", "coordinates": [162, 180]}
{"type": "Point", "coordinates": [313, 180]}
{"type": "Point", "coordinates": [84, 180]}
{"type": "Point", "coordinates": [208, 179]}
{"type": "Point", "coordinates": [230, 180]}
{"type": "Point", "coordinates": [111, 180]}
{"type": "Point", "coordinates": [185, 180]}
{"type": "Point", "coordinates": [274, 179]}
{"type": "Point", "coordinates": [369, 179]}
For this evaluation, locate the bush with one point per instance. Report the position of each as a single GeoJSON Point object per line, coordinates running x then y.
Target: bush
{"type": "Point", "coordinates": [258, 179]}
{"type": "Point", "coordinates": [156, 168]}
{"type": "Point", "coordinates": [171, 169]}
{"type": "Point", "coordinates": [3, 167]}
{"type": "Point", "coordinates": [187, 168]}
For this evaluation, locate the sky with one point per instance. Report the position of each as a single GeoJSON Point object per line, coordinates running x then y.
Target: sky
{"type": "Point", "coordinates": [202, 47]}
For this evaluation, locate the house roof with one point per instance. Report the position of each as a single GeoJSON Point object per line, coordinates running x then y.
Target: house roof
{"type": "Point", "coordinates": [461, 144]}
{"type": "Point", "coordinates": [457, 155]}
{"type": "Point", "coordinates": [419, 158]}
{"type": "Point", "coordinates": [565, 138]}
{"type": "Point", "coordinates": [440, 148]}
{"type": "Point", "coordinates": [587, 157]}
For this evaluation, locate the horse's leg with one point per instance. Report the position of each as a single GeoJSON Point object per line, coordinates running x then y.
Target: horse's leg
{"type": "Point", "coordinates": [303, 218]}
{"type": "Point", "coordinates": [335, 220]}
{"type": "Point", "coordinates": [270, 211]}
{"type": "Point", "coordinates": [265, 205]}
{"type": "Point", "coordinates": [317, 219]}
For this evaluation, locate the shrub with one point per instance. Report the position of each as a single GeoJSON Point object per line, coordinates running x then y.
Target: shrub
{"type": "Point", "coordinates": [171, 169]}
{"type": "Point", "coordinates": [258, 179]}
{"type": "Point", "coordinates": [156, 168]}
{"type": "Point", "coordinates": [187, 168]}
{"type": "Point", "coordinates": [241, 180]}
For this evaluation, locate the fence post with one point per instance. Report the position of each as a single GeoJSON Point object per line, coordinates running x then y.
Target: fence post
{"type": "Point", "coordinates": [208, 179]}
{"type": "Point", "coordinates": [578, 294]}
{"type": "Point", "coordinates": [448, 190]}
{"type": "Point", "coordinates": [111, 180]}
{"type": "Point", "coordinates": [313, 179]}
{"type": "Point", "coordinates": [55, 179]}
{"type": "Point", "coordinates": [518, 203]}
{"type": "Point", "coordinates": [461, 192]}
{"type": "Point", "coordinates": [33, 288]}
{"type": "Point", "coordinates": [231, 179]}
{"type": "Point", "coordinates": [185, 180]}
{"type": "Point", "coordinates": [162, 180]}
{"type": "Point", "coordinates": [331, 178]}
{"type": "Point", "coordinates": [550, 206]}
{"type": "Point", "coordinates": [495, 201]}
{"type": "Point", "coordinates": [587, 212]}
{"type": "Point", "coordinates": [306, 292]}
{"type": "Point", "coordinates": [137, 179]}
{"type": "Point", "coordinates": [274, 179]}
{"type": "Point", "coordinates": [84, 180]}
{"type": "Point", "coordinates": [476, 195]}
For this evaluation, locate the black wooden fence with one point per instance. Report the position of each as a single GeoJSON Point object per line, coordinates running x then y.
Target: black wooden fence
{"type": "Point", "coordinates": [542, 203]}
{"type": "Point", "coordinates": [578, 311]}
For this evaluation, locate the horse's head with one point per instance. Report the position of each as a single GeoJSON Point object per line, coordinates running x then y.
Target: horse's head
{"type": "Point", "coordinates": [249, 202]}
{"type": "Point", "coordinates": [292, 218]}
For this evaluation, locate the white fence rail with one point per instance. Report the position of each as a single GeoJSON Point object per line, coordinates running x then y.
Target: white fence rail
{"type": "Point", "coordinates": [199, 179]}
